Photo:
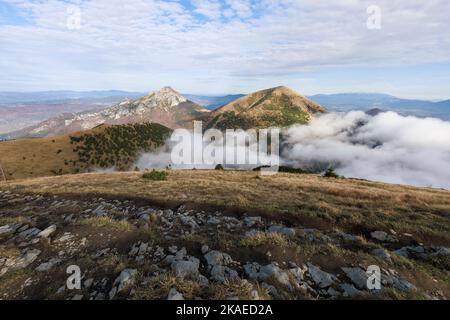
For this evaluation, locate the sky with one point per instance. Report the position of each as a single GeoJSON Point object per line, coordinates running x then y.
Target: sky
{"type": "Point", "coordinates": [399, 47]}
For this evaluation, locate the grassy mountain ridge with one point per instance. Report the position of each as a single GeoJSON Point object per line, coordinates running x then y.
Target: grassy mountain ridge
{"type": "Point", "coordinates": [102, 147]}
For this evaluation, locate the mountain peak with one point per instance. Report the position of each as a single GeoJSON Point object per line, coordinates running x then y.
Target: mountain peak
{"type": "Point", "coordinates": [166, 97]}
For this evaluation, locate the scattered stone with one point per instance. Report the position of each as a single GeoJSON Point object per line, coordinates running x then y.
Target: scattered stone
{"type": "Point", "coordinates": [48, 265]}
{"type": "Point", "coordinates": [218, 266]}
{"type": "Point", "coordinates": [213, 221]}
{"type": "Point", "coordinates": [251, 221]}
{"type": "Point", "coordinates": [123, 282]}
{"type": "Point", "coordinates": [349, 290]}
{"type": "Point", "coordinates": [26, 259]}
{"type": "Point", "coordinates": [381, 253]}
{"type": "Point", "coordinates": [382, 236]}
{"type": "Point", "coordinates": [358, 276]}
{"type": "Point", "coordinates": [47, 232]}
{"type": "Point", "coordinates": [398, 283]}
{"type": "Point", "coordinates": [67, 236]}
{"type": "Point", "coordinates": [290, 232]}
{"type": "Point", "coordinates": [7, 229]}
{"type": "Point", "coordinates": [174, 295]}
{"type": "Point", "coordinates": [189, 268]}
{"type": "Point", "coordinates": [205, 249]}
{"type": "Point", "coordinates": [88, 283]}
{"type": "Point", "coordinates": [321, 278]}
{"type": "Point", "coordinates": [417, 252]}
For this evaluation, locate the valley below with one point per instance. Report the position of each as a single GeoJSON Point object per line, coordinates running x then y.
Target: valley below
{"type": "Point", "coordinates": [222, 235]}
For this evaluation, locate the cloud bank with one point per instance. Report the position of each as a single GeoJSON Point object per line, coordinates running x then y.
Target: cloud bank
{"type": "Point", "coordinates": [387, 147]}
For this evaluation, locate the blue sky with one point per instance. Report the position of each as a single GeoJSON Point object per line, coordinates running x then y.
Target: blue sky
{"type": "Point", "coordinates": [227, 46]}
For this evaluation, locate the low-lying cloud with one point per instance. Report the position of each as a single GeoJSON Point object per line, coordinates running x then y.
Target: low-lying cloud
{"type": "Point", "coordinates": [387, 147]}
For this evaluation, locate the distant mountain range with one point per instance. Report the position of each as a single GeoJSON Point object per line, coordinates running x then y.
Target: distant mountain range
{"type": "Point", "coordinates": [366, 101]}
{"type": "Point", "coordinates": [166, 107]}
{"type": "Point", "coordinates": [20, 110]}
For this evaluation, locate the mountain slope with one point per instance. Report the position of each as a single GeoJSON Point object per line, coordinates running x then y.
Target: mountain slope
{"type": "Point", "coordinates": [278, 106]}
{"type": "Point", "coordinates": [317, 237]}
{"type": "Point", "coordinates": [103, 147]}
{"type": "Point", "coordinates": [165, 106]}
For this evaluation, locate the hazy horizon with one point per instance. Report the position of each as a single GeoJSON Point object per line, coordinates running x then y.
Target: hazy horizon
{"type": "Point", "coordinates": [227, 46]}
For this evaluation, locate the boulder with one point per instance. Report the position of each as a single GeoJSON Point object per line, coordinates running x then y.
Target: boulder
{"type": "Point", "coordinates": [47, 231]}
{"type": "Point", "coordinates": [321, 278]}
{"type": "Point", "coordinates": [358, 276]}
{"type": "Point", "coordinates": [189, 268]}
{"type": "Point", "coordinates": [174, 295]}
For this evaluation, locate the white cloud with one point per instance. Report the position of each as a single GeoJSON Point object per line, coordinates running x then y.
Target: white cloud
{"type": "Point", "coordinates": [242, 8]}
{"type": "Point", "coordinates": [208, 8]}
{"type": "Point", "coordinates": [387, 147]}
{"type": "Point", "coordinates": [152, 42]}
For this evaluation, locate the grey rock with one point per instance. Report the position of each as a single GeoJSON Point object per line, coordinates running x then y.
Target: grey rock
{"type": "Point", "coordinates": [205, 249]}
{"type": "Point", "coordinates": [213, 221]}
{"type": "Point", "coordinates": [440, 252]}
{"type": "Point", "coordinates": [88, 283]}
{"type": "Point", "coordinates": [321, 278]}
{"type": "Point", "coordinates": [218, 258]}
{"type": "Point", "coordinates": [67, 236]}
{"type": "Point", "coordinates": [417, 252]}
{"type": "Point", "coordinates": [183, 269]}
{"type": "Point", "coordinates": [48, 265]}
{"type": "Point", "coordinates": [290, 232]}
{"type": "Point", "coordinates": [47, 231]}
{"type": "Point", "coordinates": [26, 259]}
{"type": "Point", "coordinates": [349, 290]}
{"type": "Point", "coordinates": [252, 270]}
{"type": "Point", "coordinates": [189, 221]}
{"type": "Point", "coordinates": [174, 295]}
{"type": "Point", "coordinates": [381, 253]}
{"type": "Point", "coordinates": [221, 273]}
{"type": "Point", "coordinates": [272, 270]}
{"type": "Point", "coordinates": [123, 281]}
{"type": "Point", "coordinates": [358, 276]}
{"type": "Point", "coordinates": [398, 283]}
{"type": "Point", "coordinates": [29, 233]}
{"type": "Point", "coordinates": [7, 229]}
{"type": "Point", "coordinates": [251, 221]}
{"type": "Point", "coordinates": [382, 236]}
{"type": "Point", "coordinates": [347, 237]}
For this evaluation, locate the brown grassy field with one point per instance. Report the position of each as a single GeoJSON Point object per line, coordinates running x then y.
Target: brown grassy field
{"type": "Point", "coordinates": [30, 158]}
{"type": "Point", "coordinates": [36, 157]}
{"type": "Point", "coordinates": [354, 205]}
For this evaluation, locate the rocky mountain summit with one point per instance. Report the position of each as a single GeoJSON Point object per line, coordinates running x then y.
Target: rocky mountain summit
{"type": "Point", "coordinates": [126, 249]}
{"type": "Point", "coordinates": [166, 107]}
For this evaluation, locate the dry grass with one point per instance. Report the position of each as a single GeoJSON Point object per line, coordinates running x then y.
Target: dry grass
{"type": "Point", "coordinates": [36, 157]}
{"type": "Point", "coordinates": [241, 289]}
{"type": "Point", "coordinates": [158, 288]}
{"type": "Point", "coordinates": [262, 238]}
{"type": "Point", "coordinates": [298, 199]}
{"type": "Point", "coordinates": [119, 225]}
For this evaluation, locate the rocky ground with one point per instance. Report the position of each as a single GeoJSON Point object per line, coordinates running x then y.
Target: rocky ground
{"type": "Point", "coordinates": [127, 249]}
